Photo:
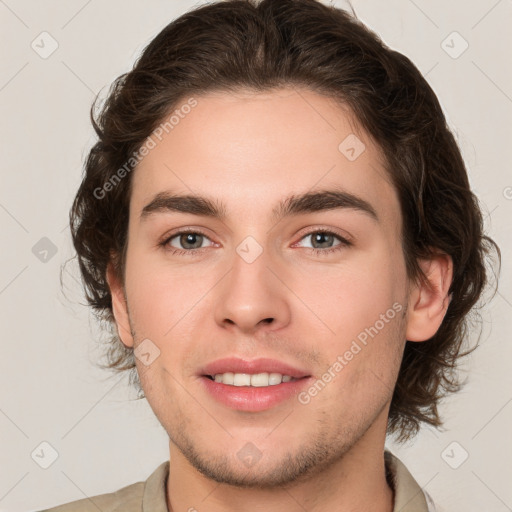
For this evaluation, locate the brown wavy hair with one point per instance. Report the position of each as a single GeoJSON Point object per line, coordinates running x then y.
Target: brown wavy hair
{"type": "Point", "coordinates": [235, 44]}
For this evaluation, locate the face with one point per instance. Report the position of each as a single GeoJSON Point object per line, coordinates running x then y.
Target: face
{"type": "Point", "coordinates": [321, 292]}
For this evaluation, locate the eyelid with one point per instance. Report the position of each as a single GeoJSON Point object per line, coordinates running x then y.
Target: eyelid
{"type": "Point", "coordinates": [342, 235]}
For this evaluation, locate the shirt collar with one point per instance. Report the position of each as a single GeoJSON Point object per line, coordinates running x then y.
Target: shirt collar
{"type": "Point", "coordinates": [154, 498]}
{"type": "Point", "coordinates": [409, 497]}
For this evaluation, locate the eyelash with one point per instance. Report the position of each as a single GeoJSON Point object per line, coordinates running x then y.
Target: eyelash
{"type": "Point", "coordinates": [318, 252]}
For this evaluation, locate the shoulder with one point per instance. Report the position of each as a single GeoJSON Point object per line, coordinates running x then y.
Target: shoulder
{"type": "Point", "coordinates": [126, 499]}
{"type": "Point", "coordinates": [131, 498]}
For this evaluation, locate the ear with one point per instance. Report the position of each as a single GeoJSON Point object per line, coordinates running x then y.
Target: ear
{"type": "Point", "coordinates": [428, 302]}
{"type": "Point", "coordinates": [119, 306]}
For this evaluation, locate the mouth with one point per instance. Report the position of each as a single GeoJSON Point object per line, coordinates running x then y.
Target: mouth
{"type": "Point", "coordinates": [252, 386]}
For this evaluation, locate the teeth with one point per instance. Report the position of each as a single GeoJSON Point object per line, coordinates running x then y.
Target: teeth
{"type": "Point", "coordinates": [241, 379]}
{"type": "Point", "coordinates": [255, 380]}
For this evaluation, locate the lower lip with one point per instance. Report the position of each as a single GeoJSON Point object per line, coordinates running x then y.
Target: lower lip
{"type": "Point", "coordinates": [254, 399]}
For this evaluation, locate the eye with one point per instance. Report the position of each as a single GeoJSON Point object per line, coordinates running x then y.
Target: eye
{"type": "Point", "coordinates": [322, 241]}
{"type": "Point", "coordinates": [188, 242]}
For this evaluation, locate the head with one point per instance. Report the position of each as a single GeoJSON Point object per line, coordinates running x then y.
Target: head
{"type": "Point", "coordinates": [249, 106]}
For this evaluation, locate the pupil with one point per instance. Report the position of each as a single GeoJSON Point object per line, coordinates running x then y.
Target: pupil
{"type": "Point", "coordinates": [189, 239]}
{"type": "Point", "coordinates": [322, 235]}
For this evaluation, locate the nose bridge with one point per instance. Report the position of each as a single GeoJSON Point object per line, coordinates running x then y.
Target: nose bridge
{"type": "Point", "coordinates": [251, 294]}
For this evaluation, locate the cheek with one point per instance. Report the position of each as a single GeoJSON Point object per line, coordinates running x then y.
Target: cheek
{"type": "Point", "coordinates": [163, 299]}
{"type": "Point", "coordinates": [352, 297]}
{"type": "Point", "coordinates": [153, 296]}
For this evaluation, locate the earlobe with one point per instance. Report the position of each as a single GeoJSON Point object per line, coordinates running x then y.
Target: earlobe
{"type": "Point", "coordinates": [428, 302]}
{"type": "Point", "coordinates": [119, 306]}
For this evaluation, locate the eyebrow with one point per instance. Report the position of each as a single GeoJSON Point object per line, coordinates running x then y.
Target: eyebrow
{"type": "Point", "coordinates": [310, 202]}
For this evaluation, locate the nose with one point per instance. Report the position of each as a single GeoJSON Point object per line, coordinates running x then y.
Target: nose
{"type": "Point", "coordinates": [252, 296]}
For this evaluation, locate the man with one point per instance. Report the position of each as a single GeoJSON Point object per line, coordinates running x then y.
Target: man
{"type": "Point", "coordinates": [279, 223]}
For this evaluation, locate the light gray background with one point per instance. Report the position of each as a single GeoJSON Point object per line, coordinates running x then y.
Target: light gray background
{"type": "Point", "coordinates": [50, 389]}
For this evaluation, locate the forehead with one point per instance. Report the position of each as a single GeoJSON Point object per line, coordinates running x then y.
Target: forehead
{"type": "Point", "coordinates": [250, 150]}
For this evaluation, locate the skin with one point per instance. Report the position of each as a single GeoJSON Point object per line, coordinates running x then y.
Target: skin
{"type": "Point", "coordinates": [251, 150]}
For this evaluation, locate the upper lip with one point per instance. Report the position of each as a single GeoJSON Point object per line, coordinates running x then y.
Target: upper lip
{"type": "Point", "coordinates": [262, 365]}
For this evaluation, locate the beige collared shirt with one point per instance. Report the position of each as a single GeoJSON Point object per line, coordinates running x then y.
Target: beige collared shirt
{"type": "Point", "coordinates": [149, 496]}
